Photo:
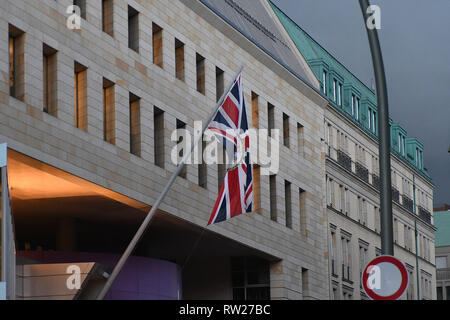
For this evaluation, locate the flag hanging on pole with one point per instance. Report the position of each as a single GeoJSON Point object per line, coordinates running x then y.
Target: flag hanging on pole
{"type": "Point", "coordinates": [230, 126]}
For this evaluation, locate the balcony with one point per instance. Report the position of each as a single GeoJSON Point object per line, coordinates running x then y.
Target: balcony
{"type": "Point", "coordinates": [424, 214]}
{"type": "Point", "coordinates": [443, 274]}
{"type": "Point", "coordinates": [408, 204]}
{"type": "Point", "coordinates": [362, 172]}
{"type": "Point", "coordinates": [376, 181]}
{"type": "Point", "coordinates": [344, 160]}
{"type": "Point", "coordinates": [395, 195]}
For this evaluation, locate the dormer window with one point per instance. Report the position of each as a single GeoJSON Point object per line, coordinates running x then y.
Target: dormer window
{"type": "Point", "coordinates": [340, 94]}
{"type": "Point", "coordinates": [334, 90]}
{"type": "Point", "coordinates": [357, 109]}
{"type": "Point", "coordinates": [324, 82]}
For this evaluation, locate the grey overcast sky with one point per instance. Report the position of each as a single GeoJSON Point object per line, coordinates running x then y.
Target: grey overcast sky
{"type": "Point", "coordinates": [415, 43]}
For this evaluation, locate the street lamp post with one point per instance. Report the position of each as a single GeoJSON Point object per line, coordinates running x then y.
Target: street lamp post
{"type": "Point", "coordinates": [387, 244]}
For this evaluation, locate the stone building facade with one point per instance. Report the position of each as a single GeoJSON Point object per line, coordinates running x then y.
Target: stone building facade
{"type": "Point", "coordinates": [87, 115]}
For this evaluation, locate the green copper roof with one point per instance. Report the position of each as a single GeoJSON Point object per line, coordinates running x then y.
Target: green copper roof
{"type": "Point", "coordinates": [442, 223]}
{"type": "Point", "coordinates": [321, 60]}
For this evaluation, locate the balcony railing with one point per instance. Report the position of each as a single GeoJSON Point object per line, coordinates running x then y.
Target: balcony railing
{"type": "Point", "coordinates": [344, 160]}
{"type": "Point", "coordinates": [362, 172]}
{"type": "Point", "coordinates": [395, 195]}
{"type": "Point", "coordinates": [443, 274]}
{"type": "Point", "coordinates": [376, 181]}
{"type": "Point", "coordinates": [408, 204]}
{"type": "Point", "coordinates": [424, 214]}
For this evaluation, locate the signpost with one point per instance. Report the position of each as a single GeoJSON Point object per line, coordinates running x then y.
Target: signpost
{"type": "Point", "coordinates": [384, 278]}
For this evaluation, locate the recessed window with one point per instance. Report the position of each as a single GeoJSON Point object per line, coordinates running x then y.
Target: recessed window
{"type": "Point", "coordinates": [179, 60]}
{"type": "Point", "coordinates": [353, 104]}
{"type": "Point", "coordinates": [109, 117]}
{"type": "Point", "coordinates": [270, 118]}
{"type": "Point", "coordinates": [334, 90]}
{"type": "Point", "coordinates": [200, 68]}
{"type": "Point", "coordinates": [220, 83]}
{"type": "Point", "coordinates": [324, 82]}
{"type": "Point", "coordinates": [286, 135]}
{"type": "Point", "coordinates": [108, 17]}
{"type": "Point", "coordinates": [135, 124]}
{"type": "Point", "coordinates": [181, 143]}
{"type": "Point", "coordinates": [357, 109]}
{"type": "Point", "coordinates": [158, 125]}
{"type": "Point", "coordinates": [133, 29]}
{"type": "Point", "coordinates": [273, 197]}
{"type": "Point", "coordinates": [16, 63]}
{"type": "Point", "coordinates": [340, 94]}
{"type": "Point", "coordinates": [157, 32]}
{"type": "Point", "coordinates": [202, 168]}
{"type": "Point", "coordinates": [255, 110]}
{"type": "Point", "coordinates": [303, 211]}
{"type": "Point", "coordinates": [49, 76]}
{"type": "Point", "coordinates": [80, 78]}
{"type": "Point", "coordinates": [287, 204]}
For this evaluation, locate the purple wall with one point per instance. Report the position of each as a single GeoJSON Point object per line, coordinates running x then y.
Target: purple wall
{"type": "Point", "coordinates": [140, 279]}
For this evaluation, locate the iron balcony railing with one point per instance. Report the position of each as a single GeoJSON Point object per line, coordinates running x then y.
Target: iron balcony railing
{"type": "Point", "coordinates": [407, 203]}
{"type": "Point", "coordinates": [362, 172]}
{"type": "Point", "coordinates": [443, 274]}
{"type": "Point", "coordinates": [424, 214]}
{"type": "Point", "coordinates": [376, 181]}
{"type": "Point", "coordinates": [395, 195]}
{"type": "Point", "coordinates": [344, 160]}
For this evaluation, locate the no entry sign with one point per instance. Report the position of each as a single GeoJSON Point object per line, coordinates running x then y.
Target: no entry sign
{"type": "Point", "coordinates": [385, 278]}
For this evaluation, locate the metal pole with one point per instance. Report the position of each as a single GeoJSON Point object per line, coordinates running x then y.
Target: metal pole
{"type": "Point", "coordinates": [387, 243]}
{"type": "Point", "coordinates": [161, 197]}
{"type": "Point", "coordinates": [416, 234]}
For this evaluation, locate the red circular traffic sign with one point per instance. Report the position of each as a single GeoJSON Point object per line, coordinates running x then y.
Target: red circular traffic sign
{"type": "Point", "coordinates": [385, 278]}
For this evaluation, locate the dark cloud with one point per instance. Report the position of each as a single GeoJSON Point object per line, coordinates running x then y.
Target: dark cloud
{"type": "Point", "coordinates": [415, 43]}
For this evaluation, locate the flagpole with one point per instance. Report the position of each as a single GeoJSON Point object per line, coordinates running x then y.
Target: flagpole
{"type": "Point", "coordinates": [137, 237]}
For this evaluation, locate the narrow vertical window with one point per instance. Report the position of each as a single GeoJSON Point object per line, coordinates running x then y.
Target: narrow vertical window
{"type": "Point", "coordinates": [181, 126]}
{"type": "Point", "coordinates": [49, 76]}
{"type": "Point", "coordinates": [324, 82]}
{"type": "Point", "coordinates": [16, 63]}
{"type": "Point", "coordinates": [219, 83]}
{"type": "Point", "coordinates": [255, 110]}
{"type": "Point", "coordinates": [305, 283]}
{"type": "Point", "coordinates": [157, 32]}
{"type": "Point", "coordinates": [202, 168]}
{"type": "Point", "coordinates": [270, 118]}
{"type": "Point", "coordinates": [273, 197]}
{"type": "Point", "coordinates": [374, 122]}
{"type": "Point", "coordinates": [221, 167]}
{"type": "Point", "coordinates": [340, 94]}
{"type": "Point", "coordinates": [81, 118]}
{"type": "Point", "coordinates": [399, 143]}
{"type": "Point", "coordinates": [158, 125]}
{"type": "Point", "coordinates": [179, 60]}
{"type": "Point", "coordinates": [256, 188]}
{"type": "Point", "coordinates": [82, 5]}
{"type": "Point", "coordinates": [107, 17]}
{"type": "Point", "coordinates": [369, 119]}
{"type": "Point", "coordinates": [287, 204]}
{"type": "Point", "coordinates": [334, 90]}
{"type": "Point", "coordinates": [286, 135]}
{"type": "Point", "coordinates": [133, 29]}
{"type": "Point", "coordinates": [108, 112]}
{"type": "Point", "coordinates": [302, 208]}
{"type": "Point", "coordinates": [357, 109]}
{"type": "Point", "coordinates": [135, 125]}
{"type": "Point", "coordinates": [353, 104]}
{"type": "Point", "coordinates": [301, 138]}
{"type": "Point", "coordinates": [200, 73]}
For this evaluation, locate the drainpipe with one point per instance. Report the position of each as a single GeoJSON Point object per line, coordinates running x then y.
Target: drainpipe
{"type": "Point", "coordinates": [415, 230]}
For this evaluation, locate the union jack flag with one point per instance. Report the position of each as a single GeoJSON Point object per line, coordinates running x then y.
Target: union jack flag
{"type": "Point", "coordinates": [230, 125]}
